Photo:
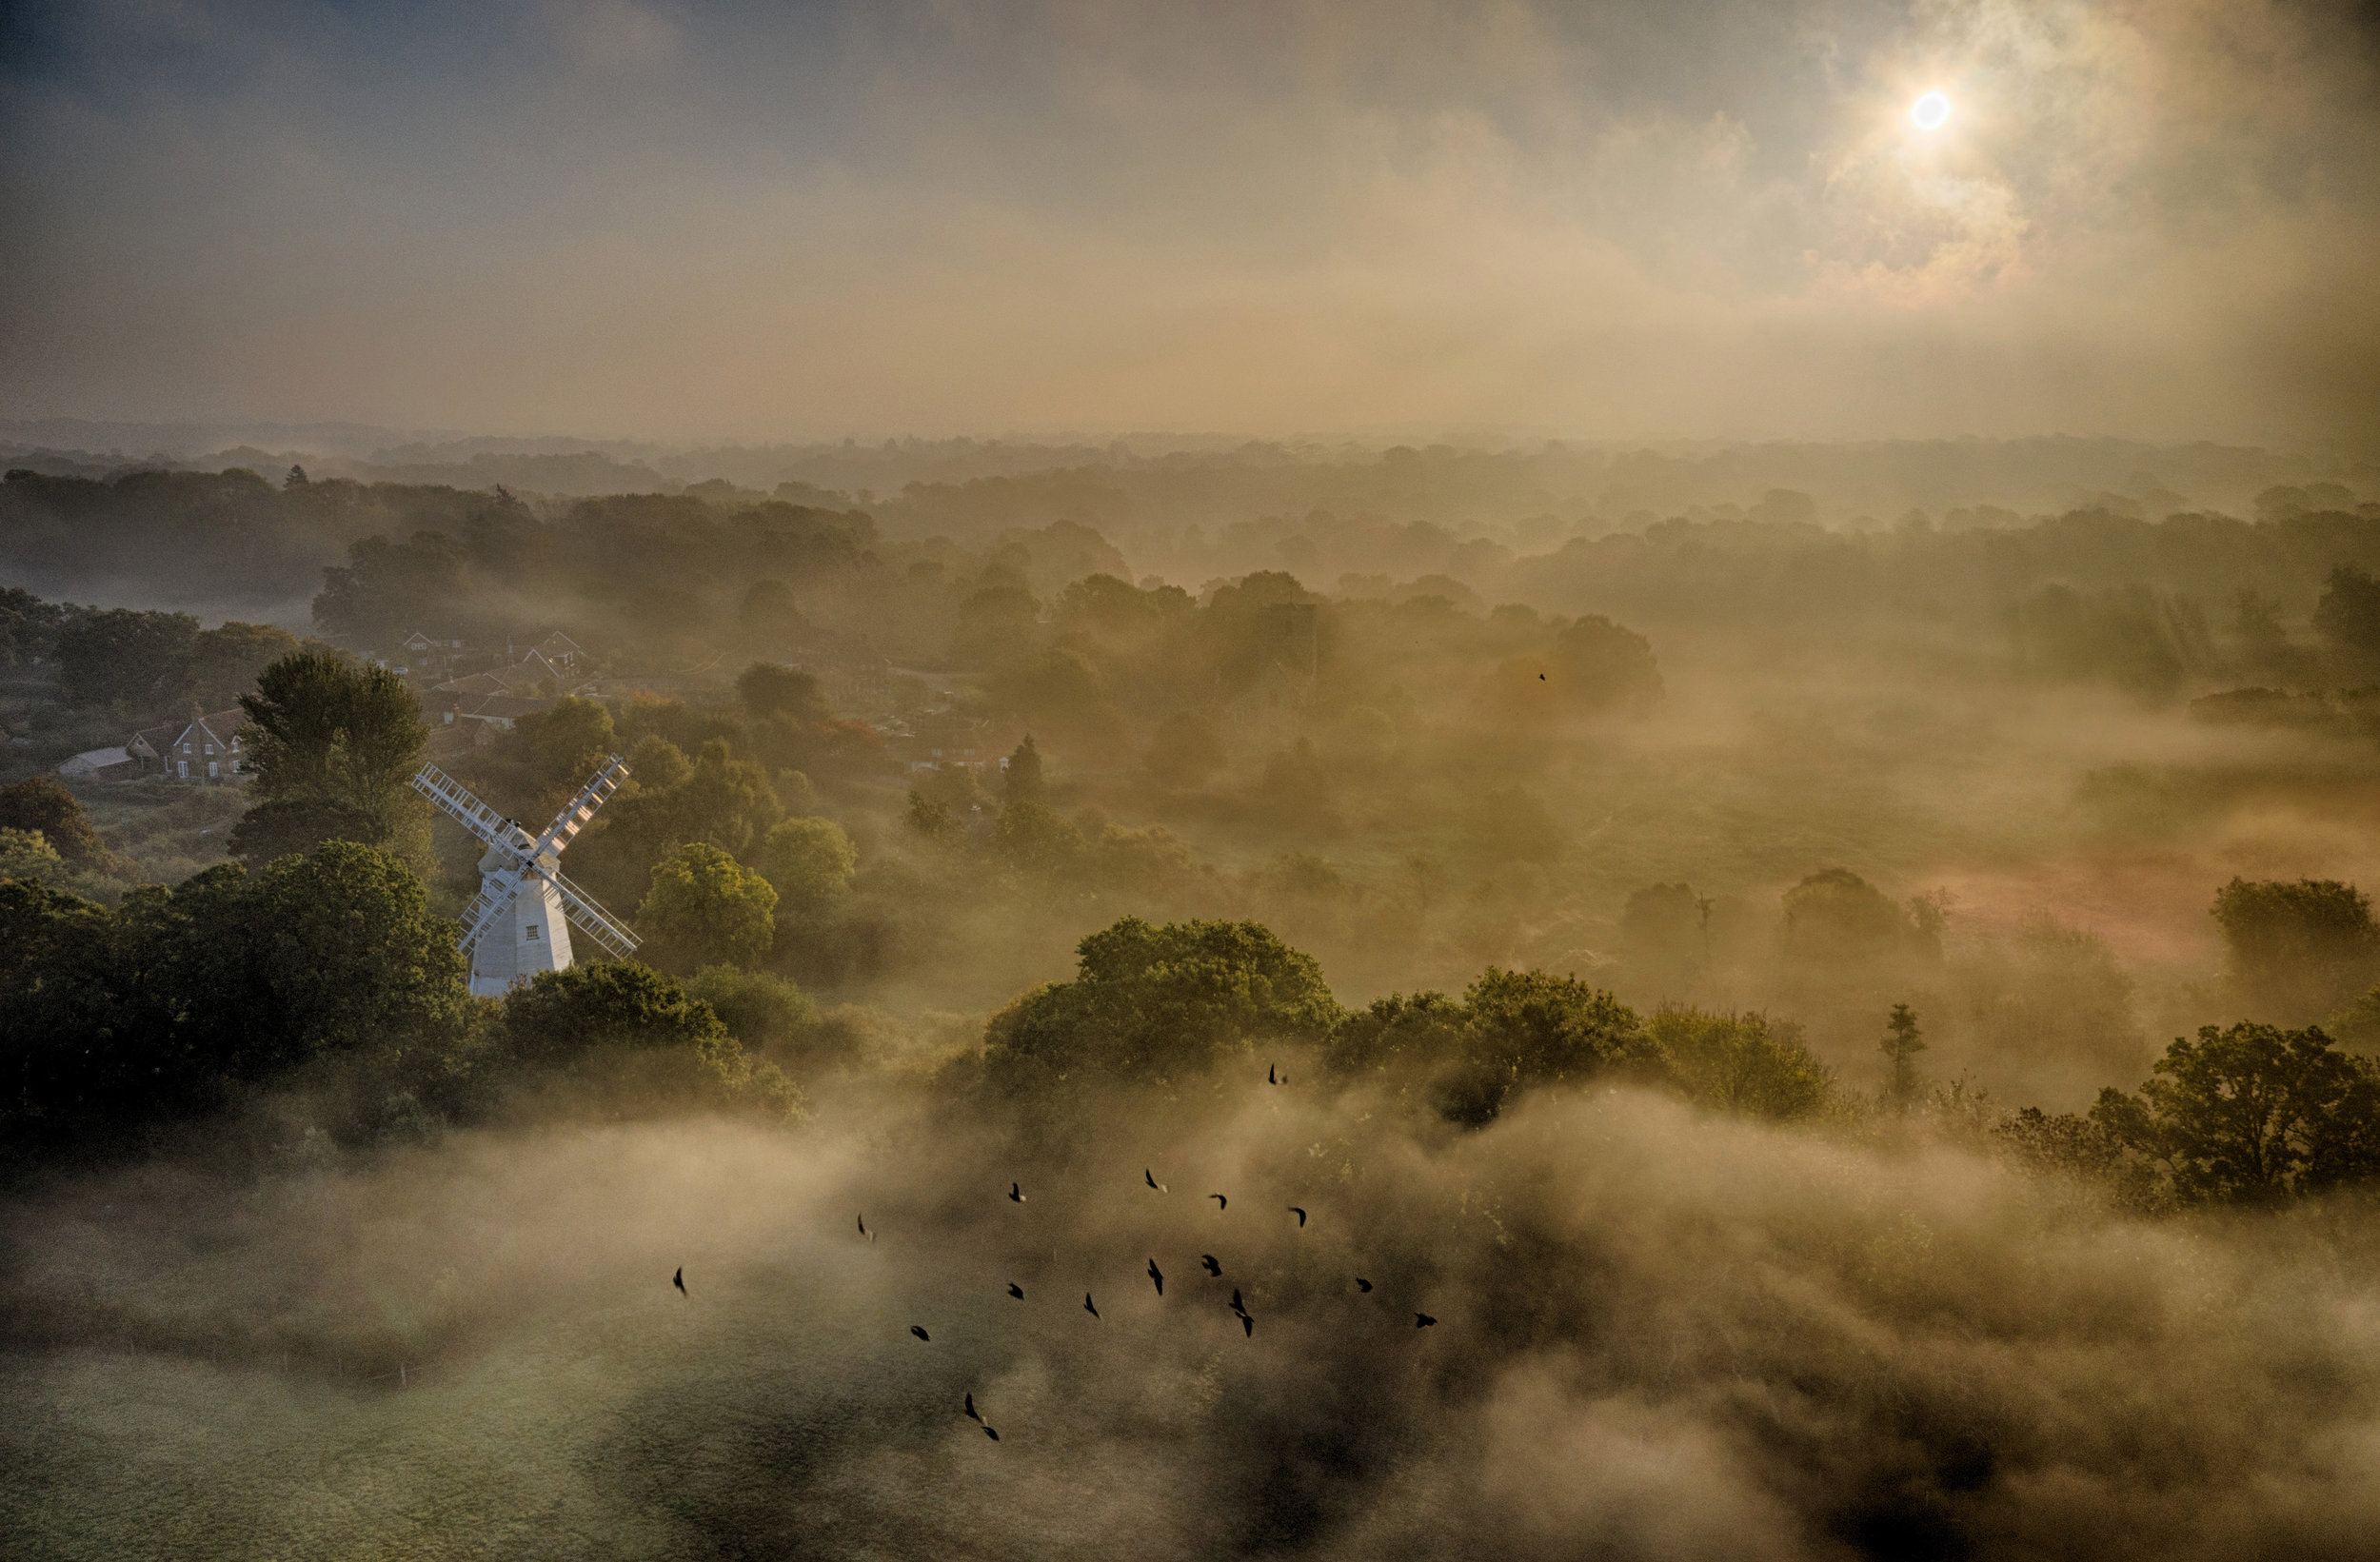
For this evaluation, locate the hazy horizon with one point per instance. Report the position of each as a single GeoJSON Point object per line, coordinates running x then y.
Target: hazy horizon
{"type": "Point", "coordinates": [700, 222]}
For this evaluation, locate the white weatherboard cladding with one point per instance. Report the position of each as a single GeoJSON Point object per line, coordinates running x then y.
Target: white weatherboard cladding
{"type": "Point", "coordinates": [520, 923]}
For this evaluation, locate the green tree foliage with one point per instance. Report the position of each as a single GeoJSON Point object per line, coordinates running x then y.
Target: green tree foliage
{"type": "Point", "coordinates": [226, 662]}
{"type": "Point", "coordinates": [40, 804]}
{"type": "Point", "coordinates": [569, 744]}
{"type": "Point", "coordinates": [164, 1005]}
{"type": "Point", "coordinates": [720, 800]}
{"type": "Point", "coordinates": [674, 1042]}
{"type": "Point", "coordinates": [132, 660]}
{"type": "Point", "coordinates": [809, 862]}
{"type": "Point", "coordinates": [1746, 1064]}
{"type": "Point", "coordinates": [29, 626]}
{"type": "Point", "coordinates": [705, 908]}
{"type": "Point", "coordinates": [1185, 751]}
{"type": "Point", "coordinates": [768, 688]}
{"type": "Point", "coordinates": [2250, 1115]}
{"type": "Point", "coordinates": [2349, 614]}
{"type": "Point", "coordinates": [1160, 1005]}
{"type": "Point", "coordinates": [759, 1008]}
{"type": "Point", "coordinates": [1020, 777]}
{"type": "Point", "coordinates": [1512, 1031]}
{"type": "Point", "coordinates": [1034, 838]}
{"type": "Point", "coordinates": [2299, 950]}
{"type": "Point", "coordinates": [332, 747]}
{"type": "Point", "coordinates": [387, 589]}
{"type": "Point", "coordinates": [1902, 1042]}
{"type": "Point", "coordinates": [2130, 636]}
{"type": "Point", "coordinates": [26, 854]}
{"type": "Point", "coordinates": [656, 764]}
{"type": "Point", "coordinates": [1598, 666]}
{"type": "Point", "coordinates": [1835, 918]}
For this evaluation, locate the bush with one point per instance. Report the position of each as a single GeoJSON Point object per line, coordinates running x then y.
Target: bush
{"type": "Point", "coordinates": [1741, 1063]}
{"type": "Point", "coordinates": [1160, 1005]}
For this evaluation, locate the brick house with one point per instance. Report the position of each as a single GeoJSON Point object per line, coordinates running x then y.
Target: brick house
{"type": "Point", "coordinates": [205, 748]}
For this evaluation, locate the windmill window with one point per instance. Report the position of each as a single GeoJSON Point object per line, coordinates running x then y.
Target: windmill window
{"type": "Point", "coordinates": [530, 933]}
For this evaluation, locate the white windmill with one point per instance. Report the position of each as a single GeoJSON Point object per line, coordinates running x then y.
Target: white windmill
{"type": "Point", "coordinates": [520, 923]}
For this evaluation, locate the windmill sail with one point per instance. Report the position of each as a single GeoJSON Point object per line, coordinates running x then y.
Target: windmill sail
{"type": "Point", "coordinates": [520, 922]}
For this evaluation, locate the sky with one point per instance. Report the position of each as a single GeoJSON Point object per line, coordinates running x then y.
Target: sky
{"type": "Point", "coordinates": [1689, 218]}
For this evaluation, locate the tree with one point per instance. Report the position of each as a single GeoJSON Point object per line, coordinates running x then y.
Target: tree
{"type": "Point", "coordinates": [40, 804]}
{"type": "Point", "coordinates": [1601, 665]}
{"type": "Point", "coordinates": [122, 658]}
{"type": "Point", "coordinates": [1021, 776]}
{"type": "Point", "coordinates": [560, 1014]}
{"type": "Point", "coordinates": [2297, 951]}
{"type": "Point", "coordinates": [1902, 1042]}
{"type": "Point", "coordinates": [1835, 918]}
{"type": "Point", "coordinates": [296, 478]}
{"type": "Point", "coordinates": [768, 616]}
{"type": "Point", "coordinates": [1036, 839]}
{"type": "Point", "coordinates": [2349, 614]}
{"type": "Point", "coordinates": [810, 861]}
{"type": "Point", "coordinates": [705, 908]}
{"type": "Point", "coordinates": [569, 744]}
{"type": "Point", "coordinates": [344, 742]}
{"type": "Point", "coordinates": [386, 588]}
{"type": "Point", "coordinates": [1185, 752]}
{"type": "Point", "coordinates": [759, 1008]}
{"type": "Point", "coordinates": [769, 688]}
{"type": "Point", "coordinates": [2251, 1113]}
{"type": "Point", "coordinates": [1741, 1063]}
{"type": "Point", "coordinates": [1417, 1033]}
{"type": "Point", "coordinates": [226, 662]}
{"type": "Point", "coordinates": [1529, 1028]}
{"type": "Point", "coordinates": [1159, 1004]}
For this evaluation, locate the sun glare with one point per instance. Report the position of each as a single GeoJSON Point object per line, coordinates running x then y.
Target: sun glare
{"type": "Point", "coordinates": [1930, 111]}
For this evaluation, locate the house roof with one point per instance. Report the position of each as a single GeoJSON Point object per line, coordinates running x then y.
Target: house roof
{"type": "Point", "coordinates": [475, 684]}
{"type": "Point", "coordinates": [90, 762]}
{"type": "Point", "coordinates": [222, 728]}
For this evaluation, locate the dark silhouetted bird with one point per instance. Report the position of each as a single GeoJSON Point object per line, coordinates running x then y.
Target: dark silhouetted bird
{"type": "Point", "coordinates": [921, 1333]}
{"type": "Point", "coordinates": [1540, 677]}
{"type": "Point", "coordinates": [1300, 1215]}
{"type": "Point", "coordinates": [864, 1231]}
{"type": "Point", "coordinates": [678, 1280]}
{"type": "Point", "coordinates": [1362, 1284]}
{"type": "Point", "coordinates": [1422, 1320]}
{"type": "Point", "coordinates": [1159, 1276]}
{"type": "Point", "coordinates": [1247, 1325]}
{"type": "Point", "coordinates": [1270, 1077]}
{"type": "Point", "coordinates": [1087, 1306]}
{"type": "Point", "coordinates": [1235, 1305]}
{"type": "Point", "coordinates": [1214, 1270]}
{"type": "Point", "coordinates": [1017, 1291]}
{"type": "Point", "coordinates": [993, 1435]}
{"type": "Point", "coordinates": [1016, 1195]}
{"type": "Point", "coordinates": [971, 1416]}
{"type": "Point", "coordinates": [1150, 1177]}
{"type": "Point", "coordinates": [1220, 1203]}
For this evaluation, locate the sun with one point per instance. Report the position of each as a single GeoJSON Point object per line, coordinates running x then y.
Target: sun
{"type": "Point", "coordinates": [1930, 111]}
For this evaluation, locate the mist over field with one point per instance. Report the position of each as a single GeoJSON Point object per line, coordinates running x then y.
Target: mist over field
{"type": "Point", "coordinates": [1336, 781]}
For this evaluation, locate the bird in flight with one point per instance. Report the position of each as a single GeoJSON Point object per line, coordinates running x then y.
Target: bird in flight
{"type": "Point", "coordinates": [1236, 1304]}
{"type": "Point", "coordinates": [1017, 1291]}
{"type": "Point", "coordinates": [1540, 677]}
{"type": "Point", "coordinates": [1150, 1177]}
{"type": "Point", "coordinates": [1270, 1077]}
{"type": "Point", "coordinates": [1247, 1326]}
{"type": "Point", "coordinates": [679, 1280]}
{"type": "Point", "coordinates": [971, 1415]}
{"type": "Point", "coordinates": [864, 1231]}
{"type": "Point", "coordinates": [1300, 1215]}
{"type": "Point", "coordinates": [993, 1435]}
{"type": "Point", "coordinates": [1362, 1284]}
{"type": "Point", "coordinates": [1159, 1276]}
{"type": "Point", "coordinates": [1422, 1320]}
{"type": "Point", "coordinates": [1214, 1270]}
{"type": "Point", "coordinates": [1220, 1203]}
{"type": "Point", "coordinates": [921, 1333]}
{"type": "Point", "coordinates": [1087, 1306]}
{"type": "Point", "coordinates": [1015, 1194]}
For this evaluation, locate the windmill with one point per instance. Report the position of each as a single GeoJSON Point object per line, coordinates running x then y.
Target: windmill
{"type": "Point", "coordinates": [520, 923]}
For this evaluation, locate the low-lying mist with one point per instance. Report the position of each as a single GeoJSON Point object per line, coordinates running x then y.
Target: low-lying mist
{"type": "Point", "coordinates": [1659, 1333]}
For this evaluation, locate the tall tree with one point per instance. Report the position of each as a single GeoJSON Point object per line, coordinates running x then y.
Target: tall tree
{"type": "Point", "coordinates": [1902, 1042]}
{"type": "Point", "coordinates": [41, 803]}
{"type": "Point", "coordinates": [704, 909]}
{"type": "Point", "coordinates": [334, 746]}
{"type": "Point", "coordinates": [1022, 776]}
{"type": "Point", "coordinates": [137, 661]}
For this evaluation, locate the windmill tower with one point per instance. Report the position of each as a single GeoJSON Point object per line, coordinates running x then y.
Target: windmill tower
{"type": "Point", "coordinates": [521, 922]}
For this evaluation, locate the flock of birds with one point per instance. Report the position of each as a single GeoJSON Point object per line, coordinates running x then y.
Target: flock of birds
{"type": "Point", "coordinates": [1157, 1276]}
